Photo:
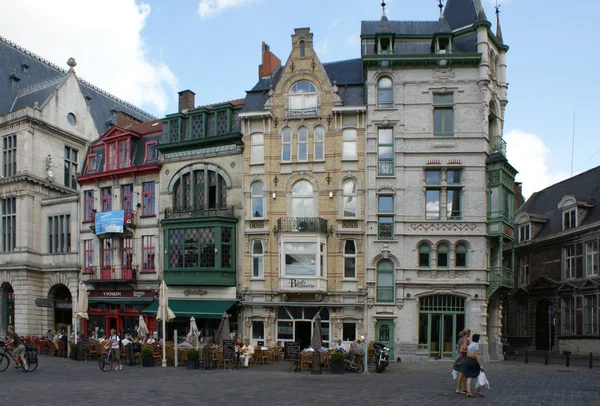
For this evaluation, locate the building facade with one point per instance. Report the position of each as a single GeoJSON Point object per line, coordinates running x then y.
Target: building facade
{"type": "Point", "coordinates": [555, 303]}
{"type": "Point", "coordinates": [48, 117]}
{"type": "Point", "coordinates": [303, 126]}
{"type": "Point", "coordinates": [436, 92]}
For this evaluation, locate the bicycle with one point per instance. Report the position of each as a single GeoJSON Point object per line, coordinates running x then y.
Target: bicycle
{"type": "Point", "coordinates": [510, 352]}
{"type": "Point", "coordinates": [350, 365]}
{"type": "Point", "coordinates": [105, 361]}
{"type": "Point", "coordinates": [6, 355]}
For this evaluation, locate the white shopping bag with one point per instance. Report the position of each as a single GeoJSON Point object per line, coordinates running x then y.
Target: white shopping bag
{"type": "Point", "coordinates": [482, 381]}
{"type": "Point", "coordinates": [454, 374]}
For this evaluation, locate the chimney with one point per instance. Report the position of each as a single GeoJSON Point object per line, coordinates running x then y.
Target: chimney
{"type": "Point", "coordinates": [269, 62]}
{"type": "Point", "coordinates": [187, 100]}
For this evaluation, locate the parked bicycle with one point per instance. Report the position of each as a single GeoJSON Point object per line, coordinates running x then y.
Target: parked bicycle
{"type": "Point", "coordinates": [350, 365]}
{"type": "Point", "coordinates": [30, 357]}
{"type": "Point", "coordinates": [510, 352]}
{"type": "Point", "coordinates": [105, 361]}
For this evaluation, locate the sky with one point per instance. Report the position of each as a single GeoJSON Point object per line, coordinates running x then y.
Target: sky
{"type": "Point", "coordinates": [145, 51]}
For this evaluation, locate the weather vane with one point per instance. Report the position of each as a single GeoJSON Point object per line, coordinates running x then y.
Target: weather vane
{"type": "Point", "coordinates": [440, 5]}
{"type": "Point", "coordinates": [497, 7]}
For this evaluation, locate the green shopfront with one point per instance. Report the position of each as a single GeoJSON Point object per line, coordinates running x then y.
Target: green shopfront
{"type": "Point", "coordinates": [441, 318]}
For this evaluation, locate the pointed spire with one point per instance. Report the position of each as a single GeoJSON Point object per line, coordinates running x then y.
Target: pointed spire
{"type": "Point", "coordinates": [498, 28]}
{"type": "Point", "coordinates": [383, 16]}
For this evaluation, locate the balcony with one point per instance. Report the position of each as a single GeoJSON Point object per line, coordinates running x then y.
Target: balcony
{"type": "Point", "coordinates": [498, 145]}
{"type": "Point", "coordinates": [302, 225]}
{"type": "Point", "coordinates": [109, 273]}
{"type": "Point", "coordinates": [199, 211]}
{"type": "Point", "coordinates": [385, 295]}
{"type": "Point", "coordinates": [112, 223]}
{"type": "Point", "coordinates": [385, 167]}
{"type": "Point", "coordinates": [501, 223]}
{"type": "Point", "coordinates": [500, 278]}
{"type": "Point", "coordinates": [302, 284]}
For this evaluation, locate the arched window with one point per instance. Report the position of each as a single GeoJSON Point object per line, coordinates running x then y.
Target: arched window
{"type": "Point", "coordinates": [385, 93]}
{"type": "Point", "coordinates": [257, 259]}
{"type": "Point", "coordinates": [286, 145]}
{"type": "Point", "coordinates": [257, 196]}
{"type": "Point", "coordinates": [350, 259]}
{"type": "Point", "coordinates": [442, 255]}
{"type": "Point", "coordinates": [460, 255]}
{"type": "Point", "coordinates": [319, 151]}
{"type": "Point", "coordinates": [257, 142]}
{"type": "Point", "coordinates": [303, 95]}
{"type": "Point", "coordinates": [424, 255]}
{"type": "Point", "coordinates": [385, 281]}
{"type": "Point", "coordinates": [200, 190]}
{"type": "Point", "coordinates": [302, 144]}
{"type": "Point", "coordinates": [303, 199]}
{"type": "Point", "coordinates": [350, 197]}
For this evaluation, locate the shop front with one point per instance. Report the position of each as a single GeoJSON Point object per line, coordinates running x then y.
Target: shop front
{"type": "Point", "coordinates": [441, 318]}
{"type": "Point", "coordinates": [120, 310]}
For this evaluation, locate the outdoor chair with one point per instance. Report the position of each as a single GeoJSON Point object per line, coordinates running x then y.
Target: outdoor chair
{"type": "Point", "coordinates": [260, 356]}
{"type": "Point", "coordinates": [306, 360]}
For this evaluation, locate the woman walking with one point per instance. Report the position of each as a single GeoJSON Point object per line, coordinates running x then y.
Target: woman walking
{"type": "Point", "coordinates": [473, 365]}
{"type": "Point", "coordinates": [459, 364]}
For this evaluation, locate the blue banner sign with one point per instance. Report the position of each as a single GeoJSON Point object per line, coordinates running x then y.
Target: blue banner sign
{"type": "Point", "coordinates": [110, 222]}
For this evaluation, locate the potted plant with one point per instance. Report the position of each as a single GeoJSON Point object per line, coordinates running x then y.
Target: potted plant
{"type": "Point", "coordinates": [337, 363]}
{"type": "Point", "coordinates": [74, 351]}
{"type": "Point", "coordinates": [192, 359]}
{"type": "Point", "coordinates": [147, 357]}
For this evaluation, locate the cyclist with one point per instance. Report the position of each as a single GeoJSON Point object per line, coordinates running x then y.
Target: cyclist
{"type": "Point", "coordinates": [19, 349]}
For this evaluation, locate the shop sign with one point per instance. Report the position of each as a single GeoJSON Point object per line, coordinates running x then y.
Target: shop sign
{"type": "Point", "coordinates": [195, 292]}
{"type": "Point", "coordinates": [130, 309]}
{"type": "Point", "coordinates": [109, 222]}
{"type": "Point", "coordinates": [301, 284]}
{"type": "Point", "coordinates": [99, 308]}
{"type": "Point", "coordinates": [121, 293]}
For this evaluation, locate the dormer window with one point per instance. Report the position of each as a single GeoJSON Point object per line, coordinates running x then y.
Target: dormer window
{"type": "Point", "coordinates": [524, 232]}
{"type": "Point", "coordinates": [385, 45]}
{"type": "Point", "coordinates": [14, 80]}
{"type": "Point", "coordinates": [443, 45]}
{"type": "Point", "coordinates": [569, 219]}
{"type": "Point", "coordinates": [151, 151]}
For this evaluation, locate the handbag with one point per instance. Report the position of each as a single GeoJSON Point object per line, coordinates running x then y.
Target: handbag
{"type": "Point", "coordinates": [482, 381]}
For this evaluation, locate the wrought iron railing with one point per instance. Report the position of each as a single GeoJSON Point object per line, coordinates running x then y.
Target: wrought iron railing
{"type": "Point", "coordinates": [386, 167]}
{"type": "Point", "coordinates": [302, 225]}
{"type": "Point", "coordinates": [497, 144]}
{"type": "Point", "coordinates": [385, 294]}
{"type": "Point", "coordinates": [109, 273]}
{"type": "Point", "coordinates": [502, 276]}
{"type": "Point", "coordinates": [198, 211]}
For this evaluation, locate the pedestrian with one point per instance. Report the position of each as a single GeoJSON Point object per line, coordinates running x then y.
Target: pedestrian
{"type": "Point", "coordinates": [473, 366]}
{"type": "Point", "coordinates": [459, 364]}
{"type": "Point", "coordinates": [115, 348]}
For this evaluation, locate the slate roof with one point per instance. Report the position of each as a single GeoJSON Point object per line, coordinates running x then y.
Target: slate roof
{"type": "Point", "coordinates": [585, 187]}
{"type": "Point", "coordinates": [461, 13]}
{"type": "Point", "coordinates": [348, 72]}
{"type": "Point", "coordinates": [39, 73]}
{"type": "Point", "coordinates": [368, 28]}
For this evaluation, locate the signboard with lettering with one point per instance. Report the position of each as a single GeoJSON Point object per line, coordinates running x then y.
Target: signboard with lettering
{"type": "Point", "coordinates": [228, 349]}
{"type": "Point", "coordinates": [149, 294]}
{"type": "Point", "coordinates": [96, 308]}
{"type": "Point", "coordinates": [302, 284]}
{"type": "Point", "coordinates": [291, 351]}
{"type": "Point", "coordinates": [110, 222]}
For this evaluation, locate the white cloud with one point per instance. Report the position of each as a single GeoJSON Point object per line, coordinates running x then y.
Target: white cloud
{"type": "Point", "coordinates": [352, 40]}
{"type": "Point", "coordinates": [105, 38]}
{"type": "Point", "coordinates": [322, 48]}
{"type": "Point", "coordinates": [208, 8]}
{"type": "Point", "coordinates": [528, 154]}
{"type": "Point", "coordinates": [335, 23]}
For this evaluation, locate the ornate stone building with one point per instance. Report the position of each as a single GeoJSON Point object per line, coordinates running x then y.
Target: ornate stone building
{"type": "Point", "coordinates": [303, 126]}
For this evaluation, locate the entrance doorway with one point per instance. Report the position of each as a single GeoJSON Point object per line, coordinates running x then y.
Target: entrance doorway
{"type": "Point", "coordinates": [63, 312]}
{"type": "Point", "coordinates": [542, 325]}
{"type": "Point", "coordinates": [297, 323]}
{"type": "Point", "coordinates": [384, 333]}
{"type": "Point", "coordinates": [7, 308]}
{"type": "Point", "coordinates": [441, 318]}
{"type": "Point", "coordinates": [303, 333]}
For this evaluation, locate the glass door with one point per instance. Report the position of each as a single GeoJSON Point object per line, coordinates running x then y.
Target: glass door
{"type": "Point", "coordinates": [384, 331]}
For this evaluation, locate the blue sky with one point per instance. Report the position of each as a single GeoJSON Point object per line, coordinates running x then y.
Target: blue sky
{"type": "Point", "coordinates": [146, 51]}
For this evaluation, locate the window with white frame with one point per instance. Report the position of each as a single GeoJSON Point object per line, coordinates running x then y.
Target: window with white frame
{"type": "Point", "coordinates": [522, 319]}
{"type": "Point", "coordinates": [319, 143]}
{"type": "Point", "coordinates": [349, 144]}
{"type": "Point", "coordinates": [433, 193]}
{"type": "Point", "coordinates": [385, 281]}
{"type": "Point", "coordinates": [258, 200]}
{"type": "Point", "coordinates": [257, 154]}
{"type": "Point", "coordinates": [453, 194]}
{"type": "Point", "coordinates": [523, 271]}
{"type": "Point", "coordinates": [350, 259]}
{"type": "Point", "coordinates": [385, 93]}
{"type": "Point", "coordinates": [591, 258]}
{"type": "Point", "coordinates": [350, 198]}
{"type": "Point", "coordinates": [385, 217]}
{"type": "Point", "coordinates": [286, 145]}
{"type": "Point", "coordinates": [258, 261]}
{"type": "Point", "coordinates": [303, 199]}
{"type": "Point", "coordinates": [569, 315]}
{"type": "Point", "coordinates": [349, 331]}
{"type": "Point", "coordinates": [385, 152]}
{"type": "Point", "coordinates": [569, 219]}
{"type": "Point", "coordinates": [303, 96]}
{"type": "Point", "coordinates": [524, 232]}
{"type": "Point", "coordinates": [590, 326]}
{"type": "Point", "coordinates": [569, 261]}
{"type": "Point", "coordinates": [258, 329]}
{"type": "Point", "coordinates": [302, 144]}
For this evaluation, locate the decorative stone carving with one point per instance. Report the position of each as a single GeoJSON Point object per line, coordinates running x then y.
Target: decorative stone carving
{"type": "Point", "coordinates": [454, 227]}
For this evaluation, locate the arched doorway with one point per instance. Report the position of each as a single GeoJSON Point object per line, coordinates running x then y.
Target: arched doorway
{"type": "Point", "coordinates": [542, 325]}
{"type": "Point", "coordinates": [7, 307]}
{"type": "Point", "coordinates": [63, 312]}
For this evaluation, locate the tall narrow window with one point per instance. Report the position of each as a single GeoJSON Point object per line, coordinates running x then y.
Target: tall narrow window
{"type": "Point", "coordinates": [112, 156]}
{"type": "Point", "coordinates": [350, 259]}
{"type": "Point", "coordinates": [106, 261]}
{"type": "Point", "coordinates": [460, 255]}
{"type": "Point", "coordinates": [258, 330]}
{"type": "Point", "coordinates": [70, 176]}
{"type": "Point", "coordinates": [569, 219]}
{"type": "Point", "coordinates": [127, 198]}
{"type": "Point", "coordinates": [385, 151]}
{"type": "Point", "coordinates": [569, 261]}
{"type": "Point", "coordinates": [257, 153]}
{"type": "Point", "coordinates": [59, 234]}
{"type": "Point", "coordinates": [92, 165]}
{"type": "Point", "coordinates": [591, 258]}
{"type": "Point", "coordinates": [385, 217]}
{"type": "Point", "coordinates": [124, 159]}
{"type": "Point", "coordinates": [126, 257]}
{"type": "Point", "coordinates": [443, 115]}
{"type": "Point", "coordinates": [286, 145]}
{"type": "Point", "coordinates": [523, 271]}
{"type": "Point", "coordinates": [302, 144]}
{"type": "Point", "coordinates": [432, 194]}
{"type": "Point", "coordinates": [303, 199]}
{"type": "Point", "coordinates": [349, 145]}
{"type": "Point", "coordinates": [258, 259]}
{"type": "Point", "coordinates": [258, 198]}
{"type": "Point", "coordinates": [107, 199]}
{"type": "Point", "coordinates": [88, 206]}
{"type": "Point", "coordinates": [524, 232]}
{"type": "Point", "coordinates": [442, 255]}
{"type": "Point", "coordinates": [385, 281]}
{"type": "Point", "coordinates": [569, 316]}
{"type": "Point", "coordinates": [590, 326]}
{"type": "Point", "coordinates": [148, 253]}
{"type": "Point", "coordinates": [88, 256]}
{"type": "Point", "coordinates": [522, 319]}
{"type": "Point", "coordinates": [148, 199]}
{"type": "Point", "coordinates": [350, 197]}
{"type": "Point", "coordinates": [302, 49]}
{"type": "Point", "coordinates": [453, 194]}
{"type": "Point", "coordinates": [9, 155]}
{"type": "Point", "coordinates": [151, 151]}
{"type": "Point", "coordinates": [424, 255]}
{"type": "Point", "coordinates": [385, 93]}
{"type": "Point", "coordinates": [319, 141]}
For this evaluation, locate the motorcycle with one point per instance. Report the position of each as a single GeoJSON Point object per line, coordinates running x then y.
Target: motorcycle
{"type": "Point", "coordinates": [381, 357]}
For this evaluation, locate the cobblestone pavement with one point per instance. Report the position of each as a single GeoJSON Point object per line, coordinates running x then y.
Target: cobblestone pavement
{"type": "Point", "coordinates": [62, 381]}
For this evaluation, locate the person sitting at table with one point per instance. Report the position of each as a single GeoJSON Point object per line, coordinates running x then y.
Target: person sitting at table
{"type": "Point", "coordinates": [246, 352]}
{"type": "Point", "coordinates": [150, 339]}
{"type": "Point", "coordinates": [49, 335]}
{"type": "Point", "coordinates": [185, 344]}
{"type": "Point", "coordinates": [323, 348]}
{"type": "Point", "coordinates": [339, 347]}
{"type": "Point", "coordinates": [356, 348]}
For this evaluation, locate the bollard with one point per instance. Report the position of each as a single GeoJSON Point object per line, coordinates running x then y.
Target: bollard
{"type": "Point", "coordinates": [567, 361]}
{"type": "Point", "coordinates": [591, 358]}
{"type": "Point", "coordinates": [546, 358]}
{"type": "Point", "coordinates": [527, 357]}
